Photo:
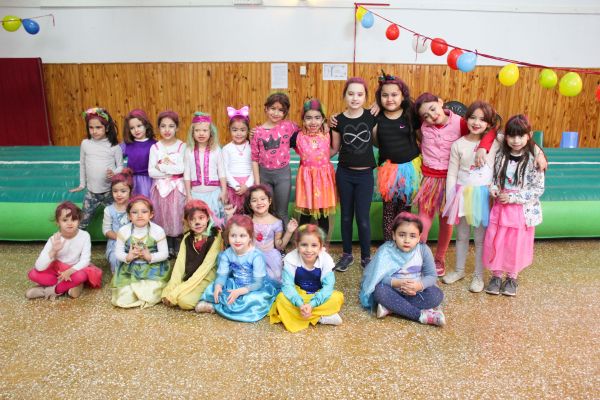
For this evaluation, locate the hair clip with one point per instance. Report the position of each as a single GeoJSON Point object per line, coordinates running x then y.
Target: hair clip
{"type": "Point", "coordinates": [242, 112]}
{"type": "Point", "coordinates": [385, 77]}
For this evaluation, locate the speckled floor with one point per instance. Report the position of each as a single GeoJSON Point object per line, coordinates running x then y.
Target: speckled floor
{"type": "Point", "coordinates": [542, 344]}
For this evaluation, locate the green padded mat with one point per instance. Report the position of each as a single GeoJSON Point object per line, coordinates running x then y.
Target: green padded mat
{"type": "Point", "coordinates": [35, 178]}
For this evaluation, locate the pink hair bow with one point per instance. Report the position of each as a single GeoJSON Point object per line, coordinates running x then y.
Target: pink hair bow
{"type": "Point", "coordinates": [242, 112]}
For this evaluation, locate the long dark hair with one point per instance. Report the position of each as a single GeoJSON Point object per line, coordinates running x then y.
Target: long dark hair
{"type": "Point", "coordinates": [407, 105]}
{"type": "Point", "coordinates": [517, 125]}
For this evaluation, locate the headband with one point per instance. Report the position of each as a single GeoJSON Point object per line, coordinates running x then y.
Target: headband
{"type": "Point", "coordinates": [201, 118]}
{"type": "Point", "coordinates": [137, 113]}
{"type": "Point", "coordinates": [386, 78]}
{"type": "Point", "coordinates": [95, 111]}
{"type": "Point", "coordinates": [242, 112]}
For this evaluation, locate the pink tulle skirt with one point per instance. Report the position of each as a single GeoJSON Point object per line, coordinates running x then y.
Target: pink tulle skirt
{"type": "Point", "coordinates": [234, 199]}
{"type": "Point", "coordinates": [508, 243]}
{"type": "Point", "coordinates": [168, 211]}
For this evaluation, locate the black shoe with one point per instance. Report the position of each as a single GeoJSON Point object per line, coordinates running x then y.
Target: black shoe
{"type": "Point", "coordinates": [364, 261]}
{"type": "Point", "coordinates": [344, 262]}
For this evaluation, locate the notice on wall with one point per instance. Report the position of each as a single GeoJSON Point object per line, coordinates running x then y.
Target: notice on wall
{"type": "Point", "coordinates": [279, 76]}
{"type": "Point", "coordinates": [335, 72]}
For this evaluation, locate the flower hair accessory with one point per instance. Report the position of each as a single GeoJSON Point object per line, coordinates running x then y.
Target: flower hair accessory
{"type": "Point", "coordinates": [385, 78]}
{"type": "Point", "coordinates": [201, 118]}
{"type": "Point", "coordinates": [101, 112]}
{"type": "Point", "coordinates": [242, 112]}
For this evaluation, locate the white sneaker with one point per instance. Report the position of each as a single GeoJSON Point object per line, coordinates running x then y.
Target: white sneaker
{"type": "Point", "coordinates": [382, 312]}
{"type": "Point", "coordinates": [452, 277]}
{"type": "Point", "coordinates": [204, 307]}
{"type": "Point", "coordinates": [333, 319]}
{"type": "Point", "coordinates": [476, 284]}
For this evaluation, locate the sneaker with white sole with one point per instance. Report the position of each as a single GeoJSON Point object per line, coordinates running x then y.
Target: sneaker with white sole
{"type": "Point", "coordinates": [452, 277]}
{"type": "Point", "coordinates": [344, 262]}
{"type": "Point", "coordinates": [433, 316]}
{"type": "Point", "coordinates": [509, 287]}
{"type": "Point", "coordinates": [333, 319]}
{"type": "Point", "coordinates": [476, 284]}
{"type": "Point", "coordinates": [493, 286]}
{"type": "Point", "coordinates": [204, 307]}
{"type": "Point", "coordinates": [382, 312]}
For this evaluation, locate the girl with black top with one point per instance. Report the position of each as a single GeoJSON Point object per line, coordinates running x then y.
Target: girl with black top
{"type": "Point", "coordinates": [352, 136]}
{"type": "Point", "coordinates": [399, 171]}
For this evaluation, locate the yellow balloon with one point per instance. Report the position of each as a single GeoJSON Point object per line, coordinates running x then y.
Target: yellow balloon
{"type": "Point", "coordinates": [11, 23]}
{"type": "Point", "coordinates": [360, 13]}
{"type": "Point", "coordinates": [570, 85]}
{"type": "Point", "coordinates": [548, 78]}
{"type": "Point", "coordinates": [509, 75]}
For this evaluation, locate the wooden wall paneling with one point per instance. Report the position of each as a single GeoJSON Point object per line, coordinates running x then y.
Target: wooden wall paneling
{"type": "Point", "coordinates": [210, 87]}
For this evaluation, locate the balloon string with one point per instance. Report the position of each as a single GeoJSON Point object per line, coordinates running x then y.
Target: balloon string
{"type": "Point", "coordinates": [490, 56]}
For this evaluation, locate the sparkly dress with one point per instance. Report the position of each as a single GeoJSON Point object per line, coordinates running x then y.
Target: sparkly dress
{"type": "Point", "coordinates": [315, 180]}
{"type": "Point", "coordinates": [117, 220]}
{"type": "Point", "coordinates": [237, 271]}
{"type": "Point", "coordinates": [264, 240]}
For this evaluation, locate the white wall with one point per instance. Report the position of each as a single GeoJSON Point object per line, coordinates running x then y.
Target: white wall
{"type": "Point", "coordinates": [550, 33]}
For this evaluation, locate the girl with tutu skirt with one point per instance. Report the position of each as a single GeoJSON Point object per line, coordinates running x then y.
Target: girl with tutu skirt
{"type": "Point", "coordinates": [401, 278]}
{"type": "Point", "coordinates": [237, 158]}
{"type": "Point", "coordinates": [242, 291]}
{"type": "Point", "coordinates": [315, 181]}
{"type": "Point", "coordinates": [138, 138]}
{"type": "Point", "coordinates": [142, 249]}
{"type": "Point", "coordinates": [166, 169]}
{"type": "Point", "coordinates": [440, 128]}
{"type": "Point", "coordinates": [269, 237]}
{"type": "Point", "coordinates": [399, 171]}
{"type": "Point", "coordinates": [196, 264]}
{"type": "Point", "coordinates": [467, 195]}
{"type": "Point", "coordinates": [307, 295]}
{"type": "Point", "coordinates": [516, 188]}
{"type": "Point", "coordinates": [204, 173]}
{"type": "Point", "coordinates": [64, 265]}
{"type": "Point", "coordinates": [115, 215]}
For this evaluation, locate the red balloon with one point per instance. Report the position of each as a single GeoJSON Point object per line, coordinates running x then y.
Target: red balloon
{"type": "Point", "coordinates": [439, 46]}
{"type": "Point", "coordinates": [598, 93]}
{"type": "Point", "coordinates": [453, 58]}
{"type": "Point", "coordinates": [392, 32]}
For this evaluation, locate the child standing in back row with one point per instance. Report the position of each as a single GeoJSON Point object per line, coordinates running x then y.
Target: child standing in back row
{"type": "Point", "coordinates": [100, 158]}
{"type": "Point", "coordinates": [138, 138]}
{"type": "Point", "coordinates": [517, 187]}
{"type": "Point", "coordinates": [166, 167]}
{"type": "Point", "coordinates": [271, 153]}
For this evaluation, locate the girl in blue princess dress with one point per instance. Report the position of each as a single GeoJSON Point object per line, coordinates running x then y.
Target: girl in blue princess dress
{"type": "Point", "coordinates": [115, 215]}
{"type": "Point", "coordinates": [242, 292]}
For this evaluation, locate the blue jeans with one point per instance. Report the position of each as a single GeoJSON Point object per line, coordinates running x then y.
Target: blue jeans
{"type": "Point", "coordinates": [408, 306]}
{"type": "Point", "coordinates": [355, 188]}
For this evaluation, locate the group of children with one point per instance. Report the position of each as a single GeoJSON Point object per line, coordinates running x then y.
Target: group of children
{"type": "Point", "coordinates": [234, 202]}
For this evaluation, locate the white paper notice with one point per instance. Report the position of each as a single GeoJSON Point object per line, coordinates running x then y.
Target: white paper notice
{"type": "Point", "coordinates": [335, 72]}
{"type": "Point", "coordinates": [279, 76]}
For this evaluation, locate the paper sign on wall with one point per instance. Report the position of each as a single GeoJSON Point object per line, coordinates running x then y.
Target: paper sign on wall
{"type": "Point", "coordinates": [279, 76]}
{"type": "Point", "coordinates": [335, 72]}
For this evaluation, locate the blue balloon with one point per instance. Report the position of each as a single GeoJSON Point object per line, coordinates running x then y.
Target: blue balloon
{"type": "Point", "coordinates": [31, 26]}
{"type": "Point", "coordinates": [367, 20]}
{"type": "Point", "coordinates": [466, 62]}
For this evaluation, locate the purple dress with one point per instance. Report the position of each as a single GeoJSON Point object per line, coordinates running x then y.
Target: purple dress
{"type": "Point", "coordinates": [264, 240]}
{"type": "Point", "coordinates": [137, 153]}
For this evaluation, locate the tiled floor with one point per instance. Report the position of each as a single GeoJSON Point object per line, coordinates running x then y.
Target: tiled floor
{"type": "Point", "coordinates": [544, 343]}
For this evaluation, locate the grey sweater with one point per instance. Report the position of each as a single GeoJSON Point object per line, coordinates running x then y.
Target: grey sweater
{"type": "Point", "coordinates": [96, 156]}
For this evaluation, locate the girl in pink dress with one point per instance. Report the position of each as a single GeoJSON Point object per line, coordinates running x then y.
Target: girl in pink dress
{"type": "Point", "coordinates": [315, 180]}
{"type": "Point", "coordinates": [517, 187]}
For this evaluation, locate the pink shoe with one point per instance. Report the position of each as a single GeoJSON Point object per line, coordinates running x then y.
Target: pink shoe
{"type": "Point", "coordinates": [433, 316]}
{"type": "Point", "coordinates": [440, 268]}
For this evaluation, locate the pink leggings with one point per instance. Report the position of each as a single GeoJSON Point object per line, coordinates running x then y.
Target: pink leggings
{"type": "Point", "coordinates": [49, 277]}
{"type": "Point", "coordinates": [444, 236]}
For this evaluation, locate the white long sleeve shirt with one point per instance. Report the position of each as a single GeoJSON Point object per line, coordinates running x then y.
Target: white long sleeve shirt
{"type": "Point", "coordinates": [76, 252]}
{"type": "Point", "coordinates": [238, 164]}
